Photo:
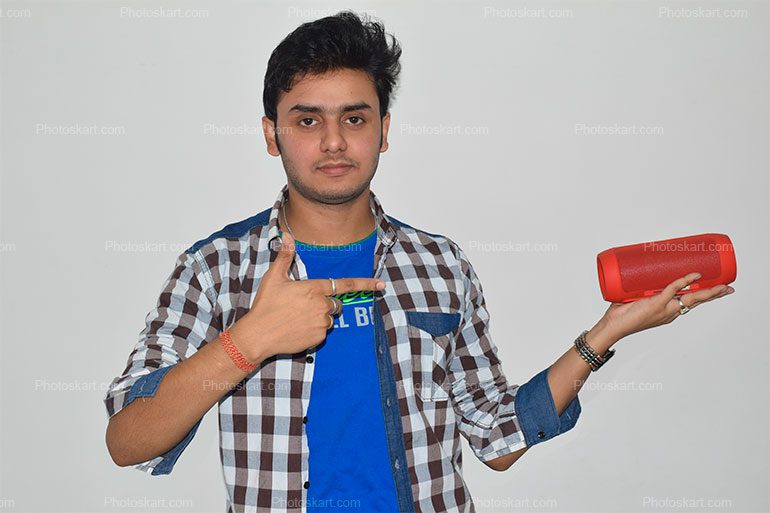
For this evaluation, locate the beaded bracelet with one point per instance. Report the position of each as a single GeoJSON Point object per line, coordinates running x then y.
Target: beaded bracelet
{"type": "Point", "coordinates": [235, 355]}
{"type": "Point", "coordinates": [589, 355]}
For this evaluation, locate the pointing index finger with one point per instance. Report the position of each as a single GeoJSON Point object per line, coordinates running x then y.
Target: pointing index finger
{"type": "Point", "coordinates": [343, 285]}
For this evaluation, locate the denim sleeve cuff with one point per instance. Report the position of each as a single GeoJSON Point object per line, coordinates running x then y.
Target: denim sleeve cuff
{"type": "Point", "coordinates": [536, 411]}
{"type": "Point", "coordinates": [147, 386]}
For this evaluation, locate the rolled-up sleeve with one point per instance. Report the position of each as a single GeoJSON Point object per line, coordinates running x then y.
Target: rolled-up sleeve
{"type": "Point", "coordinates": [496, 417]}
{"type": "Point", "coordinates": [536, 410]}
{"type": "Point", "coordinates": [180, 324]}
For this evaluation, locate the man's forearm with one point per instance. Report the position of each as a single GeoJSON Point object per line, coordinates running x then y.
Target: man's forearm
{"type": "Point", "coordinates": [151, 426]}
{"type": "Point", "coordinates": [565, 379]}
{"type": "Point", "coordinates": [567, 374]}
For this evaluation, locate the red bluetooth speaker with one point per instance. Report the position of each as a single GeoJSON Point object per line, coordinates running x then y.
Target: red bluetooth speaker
{"type": "Point", "coordinates": [628, 273]}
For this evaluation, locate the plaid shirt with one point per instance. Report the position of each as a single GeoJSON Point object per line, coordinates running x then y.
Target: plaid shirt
{"type": "Point", "coordinates": [440, 376]}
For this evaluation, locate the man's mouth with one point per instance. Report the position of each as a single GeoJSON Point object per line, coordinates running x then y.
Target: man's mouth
{"type": "Point", "coordinates": [335, 168]}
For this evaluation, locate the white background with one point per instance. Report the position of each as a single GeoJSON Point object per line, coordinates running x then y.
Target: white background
{"type": "Point", "coordinates": [679, 413]}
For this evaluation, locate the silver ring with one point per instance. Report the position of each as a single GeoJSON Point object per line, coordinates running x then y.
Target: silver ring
{"type": "Point", "coordinates": [335, 303]}
{"type": "Point", "coordinates": [334, 287]}
{"type": "Point", "coordinates": [682, 308]}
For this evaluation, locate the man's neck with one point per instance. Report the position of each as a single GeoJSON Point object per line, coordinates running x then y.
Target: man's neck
{"type": "Point", "coordinates": [328, 225]}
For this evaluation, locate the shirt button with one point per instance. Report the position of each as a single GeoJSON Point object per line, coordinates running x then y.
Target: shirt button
{"type": "Point", "coordinates": [388, 401]}
{"type": "Point", "coordinates": [381, 349]}
{"type": "Point", "coordinates": [309, 359]}
{"type": "Point", "coordinates": [541, 435]}
{"type": "Point", "coordinates": [306, 485]}
{"type": "Point", "coordinates": [304, 419]}
{"type": "Point", "coordinates": [397, 464]}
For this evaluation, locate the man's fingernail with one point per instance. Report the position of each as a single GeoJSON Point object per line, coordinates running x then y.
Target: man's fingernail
{"type": "Point", "coordinates": [380, 285]}
{"type": "Point", "coordinates": [697, 276]}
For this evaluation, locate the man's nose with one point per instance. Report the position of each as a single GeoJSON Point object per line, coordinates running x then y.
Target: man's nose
{"type": "Point", "coordinates": [333, 139]}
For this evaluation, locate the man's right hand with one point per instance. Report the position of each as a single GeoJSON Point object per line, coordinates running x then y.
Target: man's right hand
{"type": "Point", "coordinates": [289, 316]}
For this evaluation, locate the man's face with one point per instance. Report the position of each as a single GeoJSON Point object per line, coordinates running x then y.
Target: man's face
{"type": "Point", "coordinates": [329, 119]}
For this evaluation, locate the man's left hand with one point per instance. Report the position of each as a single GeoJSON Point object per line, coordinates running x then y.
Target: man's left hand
{"type": "Point", "coordinates": [623, 319]}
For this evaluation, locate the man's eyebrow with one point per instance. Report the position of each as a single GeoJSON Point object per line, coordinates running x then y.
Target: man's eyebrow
{"type": "Point", "coordinates": [317, 109]}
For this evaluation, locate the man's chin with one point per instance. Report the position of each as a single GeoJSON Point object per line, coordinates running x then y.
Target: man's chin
{"type": "Point", "coordinates": [332, 190]}
{"type": "Point", "coordinates": [338, 196]}
{"type": "Point", "coordinates": [334, 194]}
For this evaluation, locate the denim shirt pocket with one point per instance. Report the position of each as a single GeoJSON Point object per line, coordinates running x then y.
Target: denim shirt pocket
{"type": "Point", "coordinates": [430, 338]}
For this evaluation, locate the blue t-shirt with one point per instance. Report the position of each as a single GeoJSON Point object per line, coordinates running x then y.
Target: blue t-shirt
{"type": "Point", "coordinates": [349, 468]}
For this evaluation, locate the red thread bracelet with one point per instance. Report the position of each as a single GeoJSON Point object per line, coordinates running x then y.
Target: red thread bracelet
{"type": "Point", "coordinates": [235, 355]}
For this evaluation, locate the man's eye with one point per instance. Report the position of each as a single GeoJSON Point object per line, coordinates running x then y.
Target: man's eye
{"type": "Point", "coordinates": [356, 118]}
{"type": "Point", "coordinates": [302, 121]}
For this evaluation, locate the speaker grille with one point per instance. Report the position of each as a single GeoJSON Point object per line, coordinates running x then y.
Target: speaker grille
{"type": "Point", "coordinates": [654, 265]}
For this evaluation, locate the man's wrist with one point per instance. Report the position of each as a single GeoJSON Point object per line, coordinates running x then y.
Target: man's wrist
{"type": "Point", "coordinates": [600, 338]}
{"type": "Point", "coordinates": [253, 348]}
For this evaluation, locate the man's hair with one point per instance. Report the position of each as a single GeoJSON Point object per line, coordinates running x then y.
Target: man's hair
{"type": "Point", "coordinates": [332, 43]}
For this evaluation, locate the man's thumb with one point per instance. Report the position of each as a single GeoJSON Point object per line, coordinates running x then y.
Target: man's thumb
{"type": "Point", "coordinates": [285, 256]}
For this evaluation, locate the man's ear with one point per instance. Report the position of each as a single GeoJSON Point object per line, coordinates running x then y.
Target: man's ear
{"type": "Point", "coordinates": [268, 129]}
{"type": "Point", "coordinates": [385, 126]}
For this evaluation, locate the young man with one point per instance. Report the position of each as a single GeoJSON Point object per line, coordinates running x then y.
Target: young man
{"type": "Point", "coordinates": [347, 350]}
